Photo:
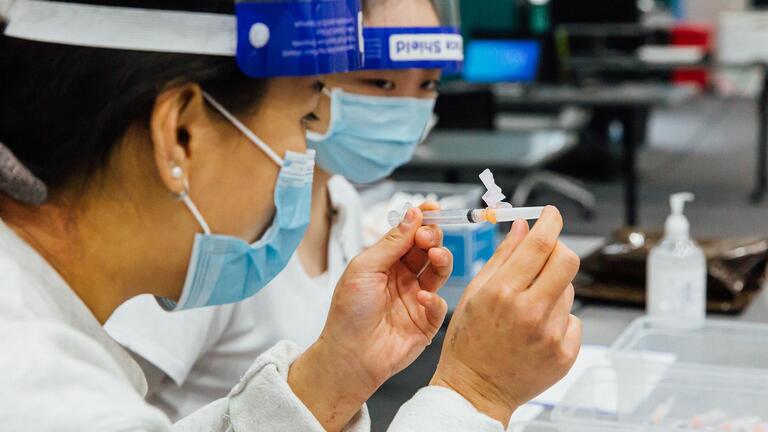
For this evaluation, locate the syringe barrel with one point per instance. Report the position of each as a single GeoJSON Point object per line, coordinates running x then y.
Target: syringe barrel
{"type": "Point", "coordinates": [512, 214]}
{"type": "Point", "coordinates": [447, 217]}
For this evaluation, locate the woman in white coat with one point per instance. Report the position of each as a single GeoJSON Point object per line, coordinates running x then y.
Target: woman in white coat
{"type": "Point", "coordinates": [131, 170]}
{"type": "Point", "coordinates": [378, 118]}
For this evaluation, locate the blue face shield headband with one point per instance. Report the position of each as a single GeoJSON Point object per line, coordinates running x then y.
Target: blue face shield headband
{"type": "Point", "coordinates": [267, 37]}
{"type": "Point", "coordinates": [414, 48]}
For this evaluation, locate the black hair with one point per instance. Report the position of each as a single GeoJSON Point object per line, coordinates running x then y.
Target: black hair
{"type": "Point", "coordinates": [64, 109]}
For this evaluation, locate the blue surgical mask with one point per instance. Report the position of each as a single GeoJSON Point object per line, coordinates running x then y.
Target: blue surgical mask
{"type": "Point", "coordinates": [225, 269]}
{"type": "Point", "coordinates": [370, 136]}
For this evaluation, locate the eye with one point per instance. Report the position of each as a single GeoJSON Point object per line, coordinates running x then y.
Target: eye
{"type": "Point", "coordinates": [318, 86]}
{"type": "Point", "coordinates": [431, 85]}
{"type": "Point", "coordinates": [381, 84]}
{"type": "Point", "coordinates": [309, 118]}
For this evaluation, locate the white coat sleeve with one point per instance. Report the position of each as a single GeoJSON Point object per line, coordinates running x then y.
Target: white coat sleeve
{"type": "Point", "coordinates": [440, 409]}
{"type": "Point", "coordinates": [263, 401]}
{"type": "Point", "coordinates": [58, 380]}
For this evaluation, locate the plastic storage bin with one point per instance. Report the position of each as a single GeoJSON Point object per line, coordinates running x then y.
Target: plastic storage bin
{"type": "Point", "coordinates": [664, 397]}
{"type": "Point", "coordinates": [724, 346]}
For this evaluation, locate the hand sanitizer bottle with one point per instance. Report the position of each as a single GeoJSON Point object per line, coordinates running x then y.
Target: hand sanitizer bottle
{"type": "Point", "coordinates": [677, 271]}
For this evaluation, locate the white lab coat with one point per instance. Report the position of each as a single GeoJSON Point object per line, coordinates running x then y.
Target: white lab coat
{"type": "Point", "coordinates": [63, 373]}
{"type": "Point", "coordinates": [203, 352]}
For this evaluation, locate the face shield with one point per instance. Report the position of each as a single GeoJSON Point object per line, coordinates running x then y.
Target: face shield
{"type": "Point", "coordinates": [267, 37]}
{"type": "Point", "coordinates": [423, 42]}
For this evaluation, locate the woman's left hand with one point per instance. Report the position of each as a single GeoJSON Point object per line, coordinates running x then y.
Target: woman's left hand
{"type": "Point", "coordinates": [384, 313]}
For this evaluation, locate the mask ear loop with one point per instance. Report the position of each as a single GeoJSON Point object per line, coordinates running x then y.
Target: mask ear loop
{"type": "Point", "coordinates": [244, 130]}
{"type": "Point", "coordinates": [184, 197]}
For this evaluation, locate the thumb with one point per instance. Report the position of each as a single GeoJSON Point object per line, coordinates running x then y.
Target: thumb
{"type": "Point", "coordinates": [394, 245]}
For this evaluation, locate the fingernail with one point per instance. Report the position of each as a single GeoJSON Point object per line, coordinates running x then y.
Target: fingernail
{"type": "Point", "coordinates": [430, 235]}
{"type": "Point", "coordinates": [410, 216]}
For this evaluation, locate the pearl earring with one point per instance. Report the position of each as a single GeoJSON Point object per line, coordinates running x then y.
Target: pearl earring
{"type": "Point", "coordinates": [177, 172]}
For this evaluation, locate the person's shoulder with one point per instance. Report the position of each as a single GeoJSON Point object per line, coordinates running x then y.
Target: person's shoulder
{"type": "Point", "coordinates": [172, 342]}
{"type": "Point", "coordinates": [14, 285]}
{"type": "Point", "coordinates": [60, 379]}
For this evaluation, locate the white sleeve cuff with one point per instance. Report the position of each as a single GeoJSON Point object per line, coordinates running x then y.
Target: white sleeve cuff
{"type": "Point", "coordinates": [263, 400]}
{"type": "Point", "coordinates": [436, 409]}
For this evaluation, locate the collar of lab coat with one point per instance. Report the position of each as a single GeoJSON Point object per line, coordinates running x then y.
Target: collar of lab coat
{"type": "Point", "coordinates": [69, 307]}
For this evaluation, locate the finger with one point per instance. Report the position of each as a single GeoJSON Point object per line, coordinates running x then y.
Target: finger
{"type": "Point", "coordinates": [432, 206]}
{"type": "Point", "coordinates": [515, 236]}
{"type": "Point", "coordinates": [408, 290]}
{"type": "Point", "coordinates": [429, 206]}
{"type": "Point", "coordinates": [429, 236]}
{"type": "Point", "coordinates": [395, 244]}
{"type": "Point", "coordinates": [572, 339]}
{"type": "Point", "coordinates": [561, 311]}
{"type": "Point", "coordinates": [416, 260]}
{"type": "Point", "coordinates": [426, 238]}
{"type": "Point", "coordinates": [530, 257]}
{"type": "Point", "coordinates": [435, 309]}
{"type": "Point", "coordinates": [557, 275]}
{"type": "Point", "coordinates": [438, 271]}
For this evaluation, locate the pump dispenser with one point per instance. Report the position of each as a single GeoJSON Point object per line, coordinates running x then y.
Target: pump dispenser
{"type": "Point", "coordinates": [677, 225]}
{"type": "Point", "coordinates": [677, 271]}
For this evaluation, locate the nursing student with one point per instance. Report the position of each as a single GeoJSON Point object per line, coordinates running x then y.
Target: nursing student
{"type": "Point", "coordinates": [138, 160]}
{"type": "Point", "coordinates": [367, 124]}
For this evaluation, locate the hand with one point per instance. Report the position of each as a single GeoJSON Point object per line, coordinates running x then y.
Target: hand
{"type": "Point", "coordinates": [385, 311]}
{"type": "Point", "coordinates": [512, 335]}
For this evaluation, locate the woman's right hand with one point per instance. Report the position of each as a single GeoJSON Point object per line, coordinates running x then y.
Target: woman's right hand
{"type": "Point", "coordinates": [512, 335]}
{"type": "Point", "coordinates": [385, 311]}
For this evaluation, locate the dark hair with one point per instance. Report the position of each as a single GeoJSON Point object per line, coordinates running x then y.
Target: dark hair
{"type": "Point", "coordinates": [63, 109]}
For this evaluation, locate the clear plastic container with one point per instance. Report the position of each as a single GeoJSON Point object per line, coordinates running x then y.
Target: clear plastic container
{"type": "Point", "coordinates": [469, 195]}
{"type": "Point", "coordinates": [725, 346]}
{"type": "Point", "coordinates": [571, 427]}
{"type": "Point", "coordinates": [663, 397]}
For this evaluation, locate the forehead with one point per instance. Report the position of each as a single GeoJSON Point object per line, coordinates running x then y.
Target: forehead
{"type": "Point", "coordinates": [401, 13]}
{"type": "Point", "coordinates": [394, 74]}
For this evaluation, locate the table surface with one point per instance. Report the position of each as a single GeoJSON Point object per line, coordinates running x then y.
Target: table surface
{"type": "Point", "coordinates": [627, 94]}
{"type": "Point", "coordinates": [622, 95]}
{"type": "Point", "coordinates": [517, 150]}
{"type": "Point", "coordinates": [603, 324]}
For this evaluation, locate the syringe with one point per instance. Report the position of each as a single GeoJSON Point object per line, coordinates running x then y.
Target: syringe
{"type": "Point", "coordinates": [471, 216]}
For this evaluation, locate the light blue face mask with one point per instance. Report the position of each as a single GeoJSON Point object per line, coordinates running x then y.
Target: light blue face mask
{"type": "Point", "coordinates": [370, 136]}
{"type": "Point", "coordinates": [225, 269]}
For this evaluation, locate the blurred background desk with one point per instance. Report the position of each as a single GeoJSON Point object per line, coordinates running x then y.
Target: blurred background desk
{"type": "Point", "coordinates": [628, 103]}
{"type": "Point", "coordinates": [454, 150]}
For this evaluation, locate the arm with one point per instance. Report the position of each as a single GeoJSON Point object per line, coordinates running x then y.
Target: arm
{"type": "Point", "coordinates": [439, 409]}
{"type": "Point", "coordinates": [263, 400]}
